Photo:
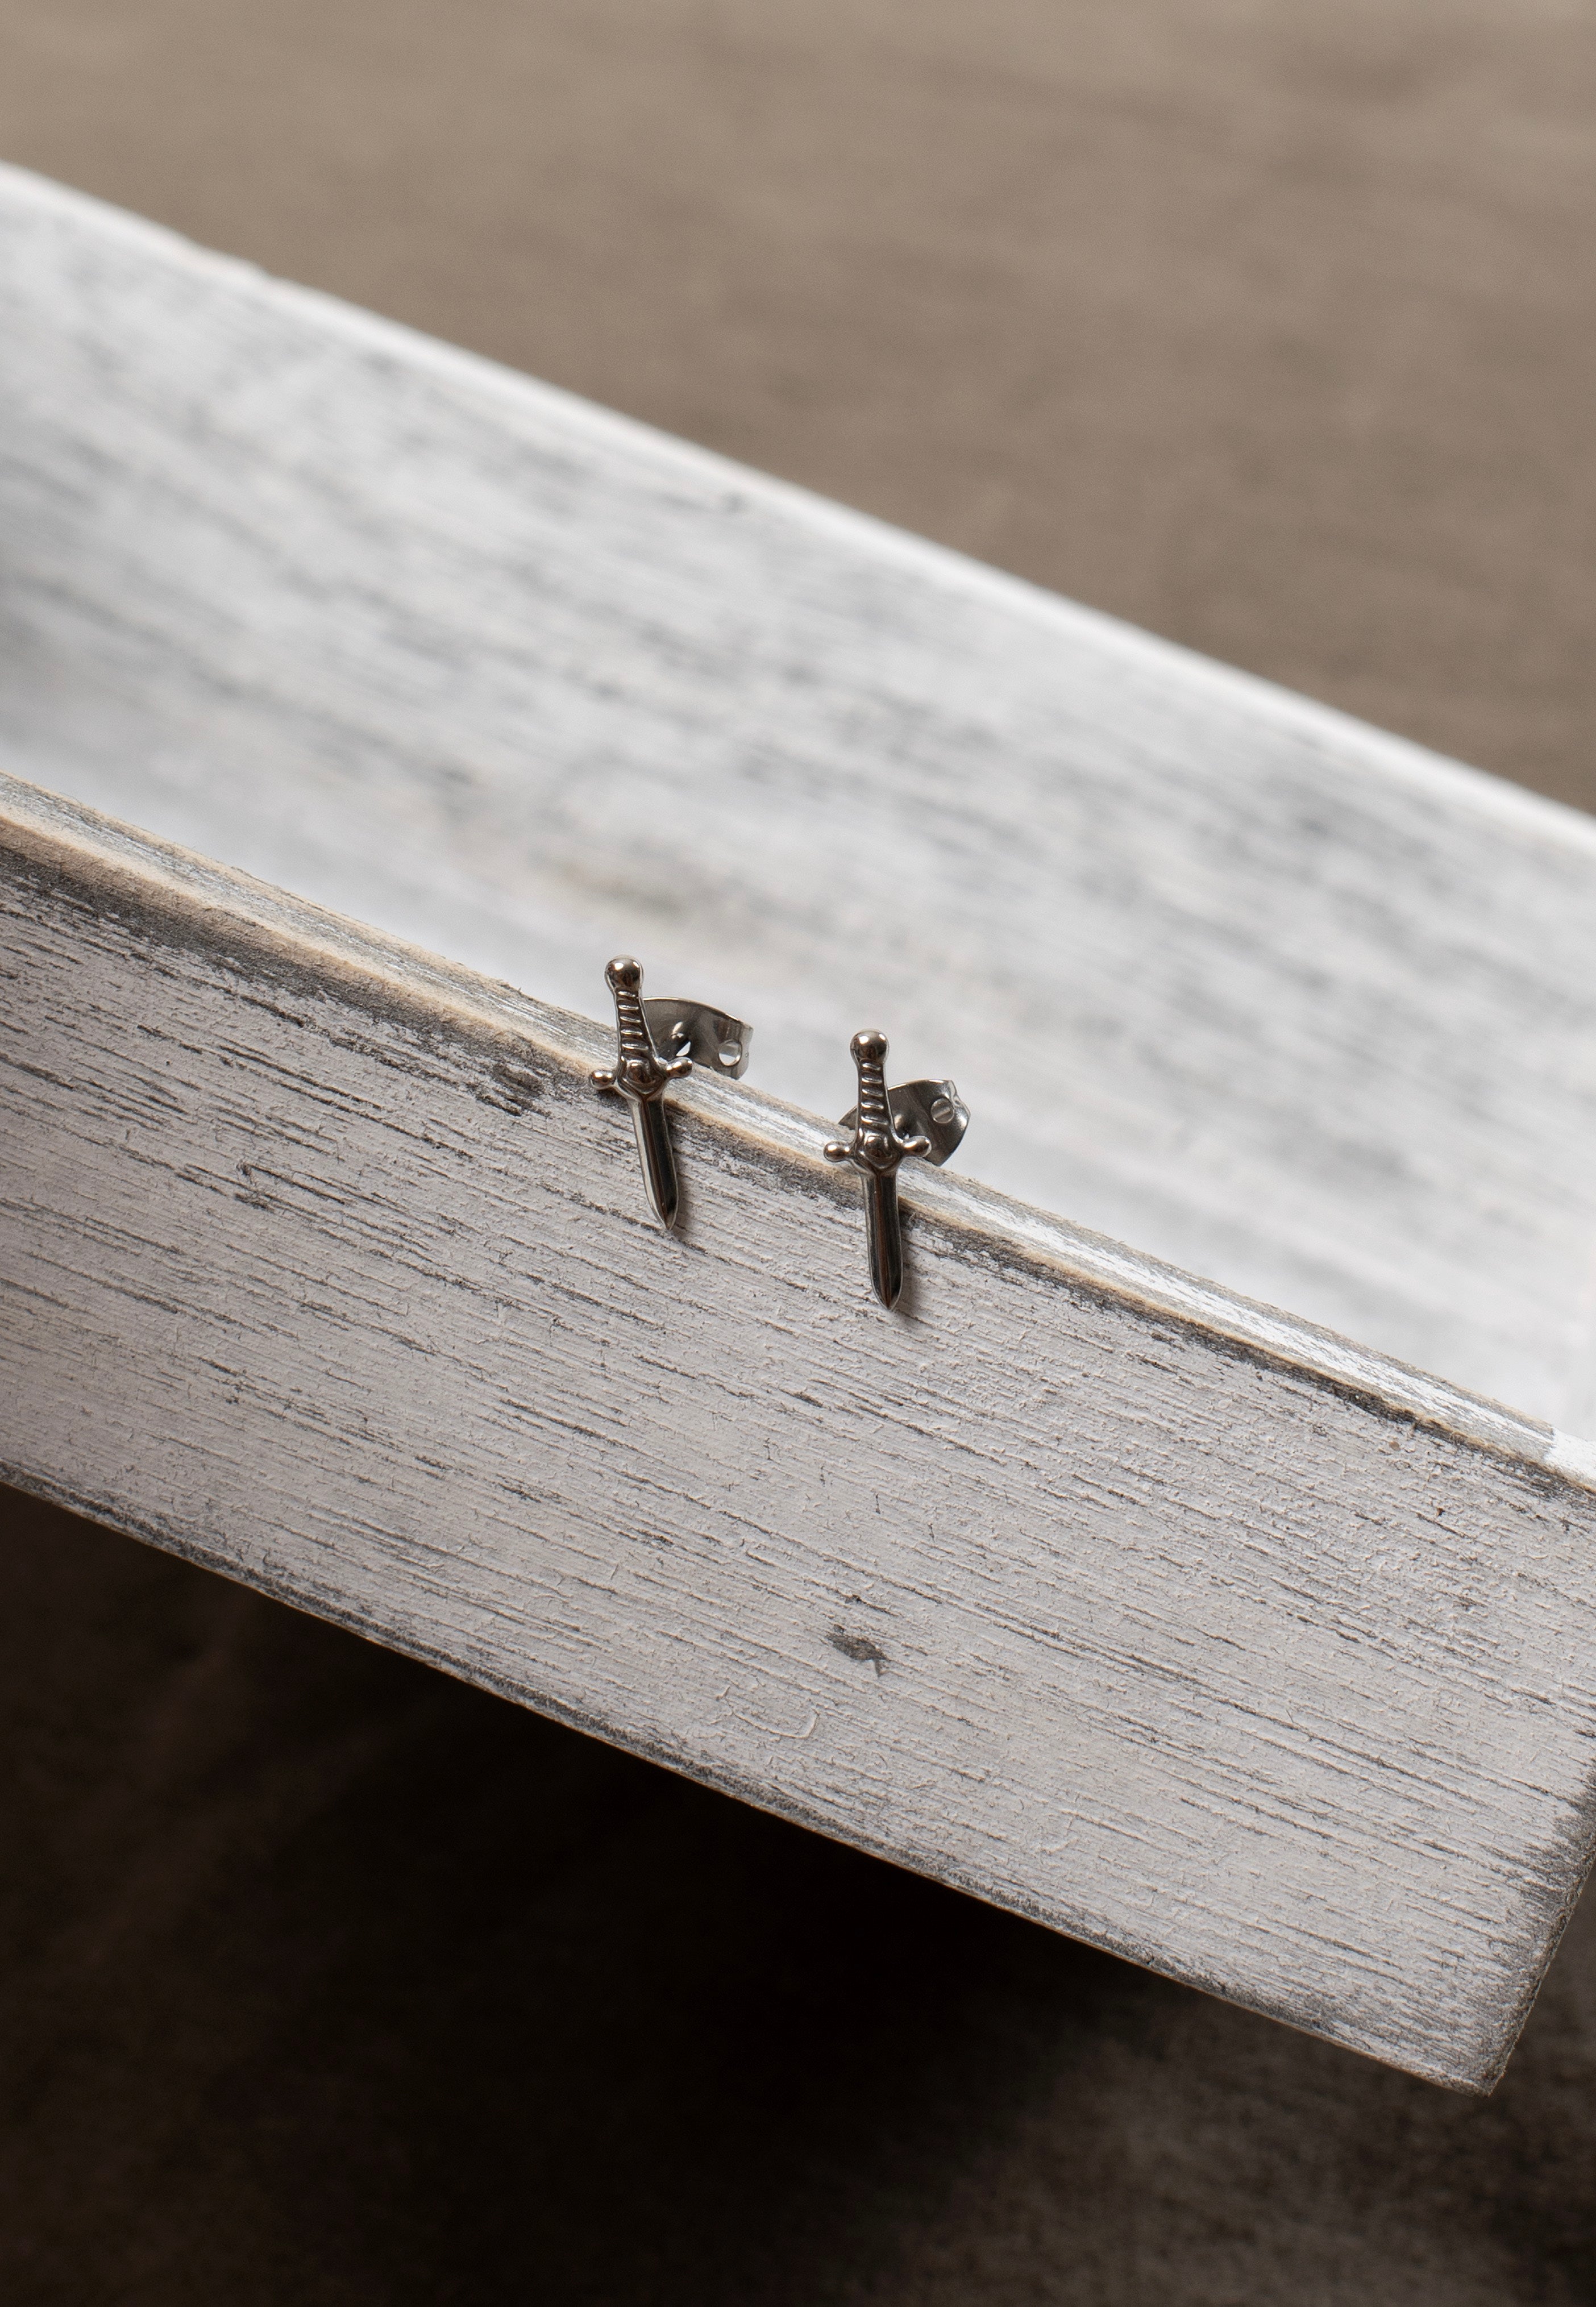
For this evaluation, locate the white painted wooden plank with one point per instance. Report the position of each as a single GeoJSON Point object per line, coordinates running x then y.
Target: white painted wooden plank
{"type": "Point", "coordinates": [1158, 1616]}
{"type": "Point", "coordinates": [1276, 997]}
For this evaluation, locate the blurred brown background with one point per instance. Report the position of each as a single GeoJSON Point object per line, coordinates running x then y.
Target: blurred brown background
{"type": "Point", "coordinates": [1269, 327]}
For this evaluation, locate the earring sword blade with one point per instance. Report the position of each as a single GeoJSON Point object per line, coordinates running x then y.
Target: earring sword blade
{"type": "Point", "coordinates": [881, 1141]}
{"type": "Point", "coordinates": [640, 1074]}
{"type": "Point", "coordinates": [655, 1153]}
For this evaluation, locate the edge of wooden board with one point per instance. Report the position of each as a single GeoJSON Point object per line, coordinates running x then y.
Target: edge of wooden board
{"type": "Point", "coordinates": [192, 902]}
{"type": "Point", "coordinates": [133, 868]}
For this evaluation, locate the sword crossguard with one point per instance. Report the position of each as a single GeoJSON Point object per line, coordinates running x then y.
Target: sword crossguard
{"type": "Point", "coordinates": [878, 1144]}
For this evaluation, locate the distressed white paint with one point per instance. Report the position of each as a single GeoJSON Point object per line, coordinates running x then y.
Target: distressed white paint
{"type": "Point", "coordinates": [1154, 1614]}
{"type": "Point", "coordinates": [1168, 1618]}
{"type": "Point", "coordinates": [1282, 999]}
{"type": "Point", "coordinates": [1574, 1458]}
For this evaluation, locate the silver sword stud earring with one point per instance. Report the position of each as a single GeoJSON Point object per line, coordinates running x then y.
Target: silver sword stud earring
{"type": "Point", "coordinates": [923, 1119]}
{"type": "Point", "coordinates": [689, 1034]}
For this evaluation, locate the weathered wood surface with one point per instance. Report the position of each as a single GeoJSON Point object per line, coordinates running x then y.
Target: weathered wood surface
{"type": "Point", "coordinates": [1277, 998]}
{"type": "Point", "coordinates": [1158, 1616]}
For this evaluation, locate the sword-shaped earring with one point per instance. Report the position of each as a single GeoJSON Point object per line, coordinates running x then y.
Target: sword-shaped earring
{"type": "Point", "coordinates": [692, 1034]}
{"type": "Point", "coordinates": [923, 1119]}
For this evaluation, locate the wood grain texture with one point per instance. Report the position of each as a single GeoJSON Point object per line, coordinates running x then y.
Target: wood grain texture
{"type": "Point", "coordinates": [1154, 1615]}
{"type": "Point", "coordinates": [1277, 998]}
